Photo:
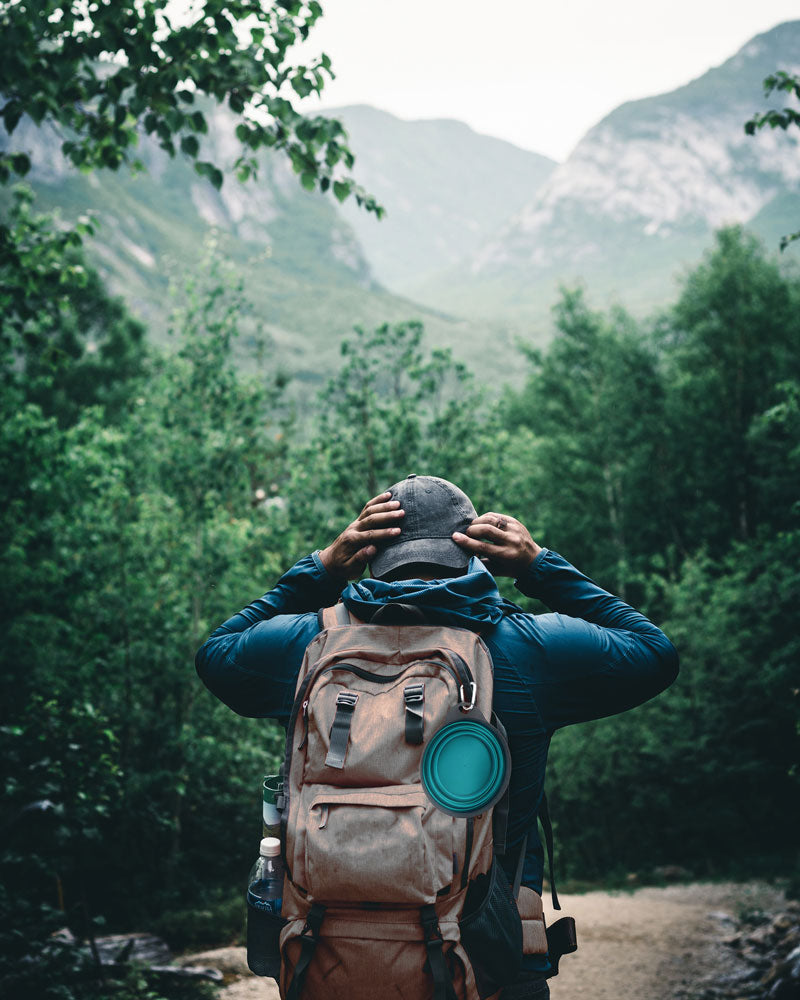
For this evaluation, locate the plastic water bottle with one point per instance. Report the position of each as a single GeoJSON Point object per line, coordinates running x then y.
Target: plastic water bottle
{"type": "Point", "coordinates": [264, 897]}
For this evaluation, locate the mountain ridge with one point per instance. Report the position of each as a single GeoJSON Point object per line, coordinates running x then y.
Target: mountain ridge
{"type": "Point", "coordinates": [655, 176]}
{"type": "Point", "coordinates": [480, 233]}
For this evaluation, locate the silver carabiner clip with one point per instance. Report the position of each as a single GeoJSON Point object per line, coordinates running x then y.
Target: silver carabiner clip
{"type": "Point", "coordinates": [473, 695]}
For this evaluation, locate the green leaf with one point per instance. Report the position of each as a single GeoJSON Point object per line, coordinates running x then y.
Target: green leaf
{"type": "Point", "coordinates": [341, 189]}
{"type": "Point", "coordinates": [333, 154]}
{"type": "Point", "coordinates": [190, 146]}
{"type": "Point", "coordinates": [301, 85]}
{"type": "Point", "coordinates": [12, 112]}
{"type": "Point", "coordinates": [20, 163]}
{"type": "Point", "coordinates": [308, 181]}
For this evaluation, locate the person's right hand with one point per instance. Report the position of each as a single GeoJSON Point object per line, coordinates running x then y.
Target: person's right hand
{"type": "Point", "coordinates": [502, 542]}
{"type": "Point", "coordinates": [351, 551]}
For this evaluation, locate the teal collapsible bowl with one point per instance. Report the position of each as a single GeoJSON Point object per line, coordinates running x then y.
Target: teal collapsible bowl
{"type": "Point", "coordinates": [466, 767]}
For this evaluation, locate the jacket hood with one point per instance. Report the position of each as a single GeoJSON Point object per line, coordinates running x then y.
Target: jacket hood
{"type": "Point", "coordinates": [471, 599]}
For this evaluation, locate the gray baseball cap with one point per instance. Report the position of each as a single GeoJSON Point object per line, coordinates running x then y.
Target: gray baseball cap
{"type": "Point", "coordinates": [434, 509]}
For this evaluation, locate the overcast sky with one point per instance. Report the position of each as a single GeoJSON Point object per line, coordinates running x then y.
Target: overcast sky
{"type": "Point", "coordinates": [536, 74]}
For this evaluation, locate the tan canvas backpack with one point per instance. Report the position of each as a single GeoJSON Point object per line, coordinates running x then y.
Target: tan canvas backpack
{"type": "Point", "coordinates": [386, 895]}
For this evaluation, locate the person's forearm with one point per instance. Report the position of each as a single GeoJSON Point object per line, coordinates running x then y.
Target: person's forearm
{"type": "Point", "coordinates": [602, 656]}
{"type": "Point", "coordinates": [307, 586]}
{"type": "Point", "coordinates": [563, 588]}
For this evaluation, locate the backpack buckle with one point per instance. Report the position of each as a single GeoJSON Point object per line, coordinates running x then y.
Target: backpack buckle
{"type": "Point", "coordinates": [465, 706]}
{"type": "Point", "coordinates": [340, 730]}
{"type": "Point", "coordinates": [414, 697]}
{"type": "Point", "coordinates": [430, 923]}
{"type": "Point", "coordinates": [414, 694]}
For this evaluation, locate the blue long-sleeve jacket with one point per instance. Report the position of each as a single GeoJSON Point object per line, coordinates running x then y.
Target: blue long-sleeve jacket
{"type": "Point", "coordinates": [593, 656]}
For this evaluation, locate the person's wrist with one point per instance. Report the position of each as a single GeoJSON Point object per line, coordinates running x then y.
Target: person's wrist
{"type": "Point", "coordinates": [529, 557]}
{"type": "Point", "coordinates": [526, 567]}
{"type": "Point", "coordinates": [328, 560]}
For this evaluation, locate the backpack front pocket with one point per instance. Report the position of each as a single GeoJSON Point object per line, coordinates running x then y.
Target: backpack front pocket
{"type": "Point", "coordinates": [354, 943]}
{"type": "Point", "coordinates": [376, 845]}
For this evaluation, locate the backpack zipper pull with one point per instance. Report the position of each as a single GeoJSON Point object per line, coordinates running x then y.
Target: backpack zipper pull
{"type": "Point", "coordinates": [305, 725]}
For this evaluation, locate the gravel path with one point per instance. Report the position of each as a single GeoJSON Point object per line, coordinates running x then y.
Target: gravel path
{"type": "Point", "coordinates": [653, 944]}
{"type": "Point", "coordinates": [650, 944]}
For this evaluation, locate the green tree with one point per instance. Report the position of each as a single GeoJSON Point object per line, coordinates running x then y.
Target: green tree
{"type": "Point", "coordinates": [774, 441]}
{"type": "Point", "coordinates": [394, 407]}
{"type": "Point", "coordinates": [693, 777]}
{"type": "Point", "coordinates": [594, 403]}
{"type": "Point", "coordinates": [731, 338]}
{"type": "Point", "coordinates": [788, 83]}
{"type": "Point", "coordinates": [104, 72]}
{"type": "Point", "coordinates": [66, 343]}
{"type": "Point", "coordinates": [124, 543]}
{"type": "Point", "coordinates": [184, 542]}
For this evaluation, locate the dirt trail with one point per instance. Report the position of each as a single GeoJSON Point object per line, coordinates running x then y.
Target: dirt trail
{"type": "Point", "coordinates": [651, 944]}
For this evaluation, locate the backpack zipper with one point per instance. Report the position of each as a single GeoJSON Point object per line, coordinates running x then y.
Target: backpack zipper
{"type": "Point", "coordinates": [461, 674]}
{"type": "Point", "coordinates": [305, 725]}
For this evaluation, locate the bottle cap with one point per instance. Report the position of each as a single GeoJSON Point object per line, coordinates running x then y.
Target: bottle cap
{"type": "Point", "coordinates": [270, 847]}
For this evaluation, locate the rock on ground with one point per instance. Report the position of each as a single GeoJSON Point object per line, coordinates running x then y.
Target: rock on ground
{"type": "Point", "coordinates": [240, 983]}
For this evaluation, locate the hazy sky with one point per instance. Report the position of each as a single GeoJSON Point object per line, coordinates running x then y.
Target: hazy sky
{"type": "Point", "coordinates": [536, 74]}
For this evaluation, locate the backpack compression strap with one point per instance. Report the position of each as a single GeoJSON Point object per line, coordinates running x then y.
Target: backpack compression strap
{"type": "Point", "coordinates": [308, 947]}
{"type": "Point", "coordinates": [547, 826]}
{"type": "Point", "coordinates": [434, 945]}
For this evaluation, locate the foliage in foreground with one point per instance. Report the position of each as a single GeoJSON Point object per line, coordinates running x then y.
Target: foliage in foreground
{"type": "Point", "coordinates": [778, 82]}
{"type": "Point", "coordinates": [103, 73]}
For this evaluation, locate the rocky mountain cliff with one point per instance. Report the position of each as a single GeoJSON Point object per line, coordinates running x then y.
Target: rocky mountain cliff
{"type": "Point", "coordinates": [445, 189]}
{"type": "Point", "coordinates": [152, 226]}
{"type": "Point", "coordinates": [643, 191]}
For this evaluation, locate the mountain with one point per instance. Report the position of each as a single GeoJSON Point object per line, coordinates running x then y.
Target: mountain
{"type": "Point", "coordinates": [445, 188]}
{"type": "Point", "coordinates": [480, 232]}
{"type": "Point", "coordinates": [303, 266]}
{"type": "Point", "coordinates": [641, 194]}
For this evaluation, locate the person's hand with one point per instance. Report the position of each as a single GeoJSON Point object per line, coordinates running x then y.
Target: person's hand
{"type": "Point", "coordinates": [348, 555]}
{"type": "Point", "coordinates": [503, 543]}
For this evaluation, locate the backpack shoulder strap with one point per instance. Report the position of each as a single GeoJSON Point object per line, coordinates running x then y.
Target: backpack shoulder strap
{"type": "Point", "coordinates": [337, 615]}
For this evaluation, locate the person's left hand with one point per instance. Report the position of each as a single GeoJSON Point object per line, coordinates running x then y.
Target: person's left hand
{"type": "Point", "coordinates": [351, 551]}
{"type": "Point", "coordinates": [502, 542]}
